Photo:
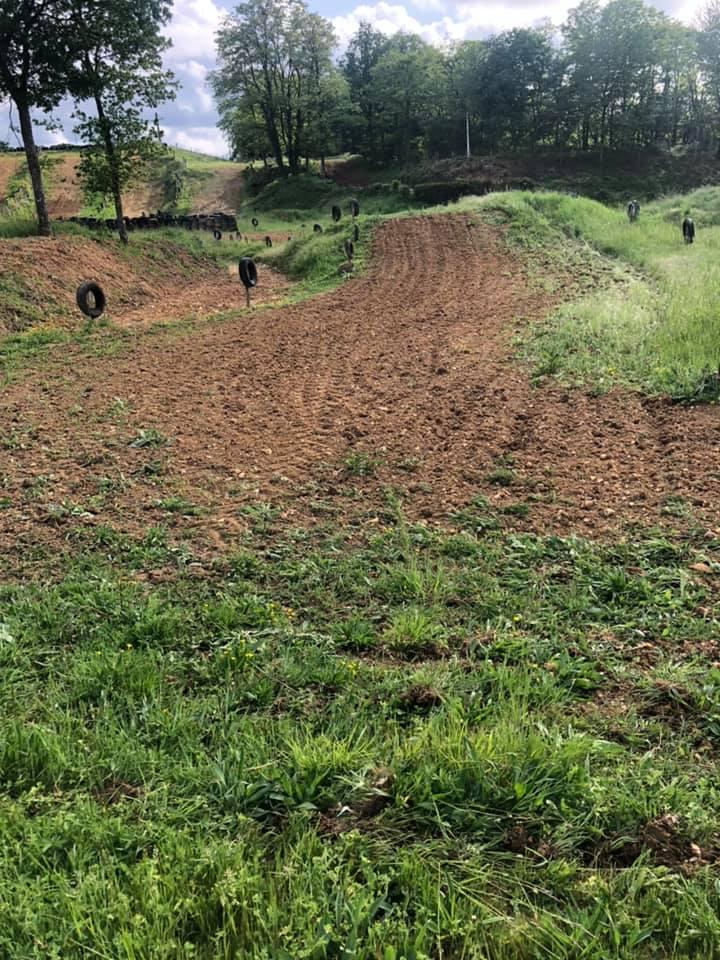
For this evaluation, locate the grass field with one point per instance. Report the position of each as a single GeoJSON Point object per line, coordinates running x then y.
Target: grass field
{"type": "Point", "coordinates": [404, 744]}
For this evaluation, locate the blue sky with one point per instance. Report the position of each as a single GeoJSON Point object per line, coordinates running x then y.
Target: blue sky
{"type": "Point", "coordinates": [190, 121]}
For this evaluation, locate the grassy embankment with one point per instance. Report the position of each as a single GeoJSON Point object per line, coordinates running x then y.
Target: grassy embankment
{"type": "Point", "coordinates": [656, 328]}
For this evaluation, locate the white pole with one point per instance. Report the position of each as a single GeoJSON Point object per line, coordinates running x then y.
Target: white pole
{"type": "Point", "coordinates": [467, 134]}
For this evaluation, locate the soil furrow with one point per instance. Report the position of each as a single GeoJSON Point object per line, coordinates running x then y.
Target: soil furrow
{"type": "Point", "coordinates": [408, 366]}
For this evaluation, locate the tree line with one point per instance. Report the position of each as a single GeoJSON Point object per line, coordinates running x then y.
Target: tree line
{"type": "Point", "coordinates": [623, 75]}
{"type": "Point", "coordinates": [107, 56]}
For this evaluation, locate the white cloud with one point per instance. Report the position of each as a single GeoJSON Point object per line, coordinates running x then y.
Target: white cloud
{"type": "Point", "coordinates": [194, 69]}
{"type": "Point", "coordinates": [390, 18]}
{"type": "Point", "coordinates": [203, 139]}
{"type": "Point", "coordinates": [192, 30]}
{"type": "Point", "coordinates": [465, 20]}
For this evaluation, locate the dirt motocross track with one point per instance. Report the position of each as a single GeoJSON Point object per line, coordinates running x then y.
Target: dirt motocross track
{"type": "Point", "coordinates": [409, 365]}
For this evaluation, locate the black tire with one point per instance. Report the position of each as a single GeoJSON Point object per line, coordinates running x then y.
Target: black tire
{"type": "Point", "coordinates": [336, 213]}
{"type": "Point", "coordinates": [317, 228]}
{"type": "Point", "coordinates": [217, 234]}
{"type": "Point", "coordinates": [254, 221]}
{"type": "Point", "coordinates": [91, 299]}
{"type": "Point", "coordinates": [354, 208]}
{"type": "Point", "coordinates": [356, 233]}
{"type": "Point", "coordinates": [268, 241]}
{"type": "Point", "coordinates": [349, 249]}
{"type": "Point", "coordinates": [248, 272]}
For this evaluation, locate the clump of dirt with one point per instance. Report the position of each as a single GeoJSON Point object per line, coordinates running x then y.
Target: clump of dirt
{"type": "Point", "coordinates": [664, 842]}
{"type": "Point", "coordinates": [113, 791]}
{"type": "Point", "coordinates": [419, 698]}
{"type": "Point", "coordinates": [518, 840]}
{"type": "Point", "coordinates": [374, 797]}
{"type": "Point", "coordinates": [670, 702]}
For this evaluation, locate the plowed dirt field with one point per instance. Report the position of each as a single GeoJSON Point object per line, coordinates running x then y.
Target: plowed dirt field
{"type": "Point", "coordinates": [401, 378]}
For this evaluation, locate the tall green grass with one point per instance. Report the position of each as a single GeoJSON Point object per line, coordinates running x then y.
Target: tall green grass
{"type": "Point", "coordinates": [657, 330]}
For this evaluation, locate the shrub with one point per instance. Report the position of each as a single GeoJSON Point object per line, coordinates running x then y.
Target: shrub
{"type": "Point", "coordinates": [444, 192]}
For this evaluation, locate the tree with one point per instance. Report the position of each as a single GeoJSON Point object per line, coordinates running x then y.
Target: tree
{"type": "Point", "coordinates": [33, 73]}
{"type": "Point", "coordinates": [273, 56]}
{"type": "Point", "coordinates": [513, 87]}
{"type": "Point", "coordinates": [709, 56]}
{"type": "Point", "coordinates": [245, 129]}
{"type": "Point", "coordinates": [330, 116]}
{"type": "Point", "coordinates": [118, 67]}
{"type": "Point", "coordinates": [408, 87]}
{"type": "Point", "coordinates": [363, 53]}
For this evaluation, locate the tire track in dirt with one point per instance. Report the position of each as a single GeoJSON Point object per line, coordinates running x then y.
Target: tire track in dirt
{"type": "Point", "coordinates": [409, 363]}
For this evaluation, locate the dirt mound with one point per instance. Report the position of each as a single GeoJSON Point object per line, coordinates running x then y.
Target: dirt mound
{"type": "Point", "coordinates": [400, 379]}
{"type": "Point", "coordinates": [154, 281]}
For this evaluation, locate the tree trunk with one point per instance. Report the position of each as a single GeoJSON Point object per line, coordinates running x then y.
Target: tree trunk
{"type": "Point", "coordinates": [111, 155]}
{"type": "Point", "coordinates": [33, 162]}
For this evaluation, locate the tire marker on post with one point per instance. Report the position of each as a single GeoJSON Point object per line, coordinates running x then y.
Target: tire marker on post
{"type": "Point", "coordinates": [248, 275]}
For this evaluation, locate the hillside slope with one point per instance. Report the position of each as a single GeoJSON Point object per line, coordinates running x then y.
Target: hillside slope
{"type": "Point", "coordinates": [209, 184]}
{"type": "Point", "coordinates": [154, 280]}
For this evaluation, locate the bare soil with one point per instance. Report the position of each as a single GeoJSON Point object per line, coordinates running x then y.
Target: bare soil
{"type": "Point", "coordinates": [158, 283]}
{"type": "Point", "coordinates": [220, 193]}
{"type": "Point", "coordinates": [408, 368]}
{"type": "Point", "coordinates": [9, 162]}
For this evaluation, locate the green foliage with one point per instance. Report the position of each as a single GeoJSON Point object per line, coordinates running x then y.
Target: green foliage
{"type": "Point", "coordinates": [118, 47]}
{"type": "Point", "coordinates": [275, 85]}
{"type": "Point", "coordinates": [34, 73]}
{"type": "Point", "coordinates": [302, 192]}
{"type": "Point", "coordinates": [313, 259]}
{"type": "Point", "coordinates": [368, 745]}
{"type": "Point", "coordinates": [21, 306]}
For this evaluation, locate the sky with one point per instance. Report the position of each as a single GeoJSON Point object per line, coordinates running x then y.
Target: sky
{"type": "Point", "coordinates": [190, 121]}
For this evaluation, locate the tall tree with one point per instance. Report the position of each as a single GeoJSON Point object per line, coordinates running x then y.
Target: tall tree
{"type": "Point", "coordinates": [273, 56]}
{"type": "Point", "coordinates": [363, 53]}
{"type": "Point", "coordinates": [33, 73]}
{"type": "Point", "coordinates": [408, 86]}
{"type": "Point", "coordinates": [709, 56]}
{"type": "Point", "coordinates": [118, 68]}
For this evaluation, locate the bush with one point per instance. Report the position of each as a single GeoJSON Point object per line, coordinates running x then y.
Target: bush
{"type": "Point", "coordinates": [302, 192]}
{"type": "Point", "coordinates": [445, 192]}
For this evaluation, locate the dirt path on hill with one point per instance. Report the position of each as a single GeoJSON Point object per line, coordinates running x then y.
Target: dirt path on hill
{"type": "Point", "coordinates": [220, 193]}
{"type": "Point", "coordinates": [9, 163]}
{"type": "Point", "coordinates": [407, 369]}
{"type": "Point", "coordinates": [219, 293]}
